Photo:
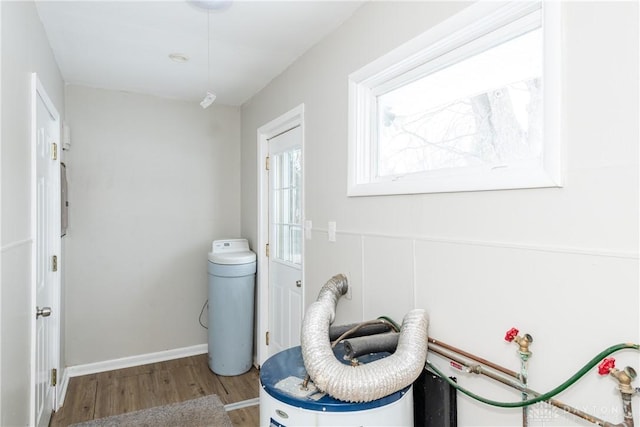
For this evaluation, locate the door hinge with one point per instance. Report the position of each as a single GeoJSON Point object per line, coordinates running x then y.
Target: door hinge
{"type": "Point", "coordinates": [266, 163]}
{"type": "Point", "coordinates": [54, 263]}
{"type": "Point", "coordinates": [54, 377]}
{"type": "Point", "coordinates": [54, 151]}
{"type": "Point", "coordinates": [266, 337]}
{"type": "Point", "coordinates": [266, 250]}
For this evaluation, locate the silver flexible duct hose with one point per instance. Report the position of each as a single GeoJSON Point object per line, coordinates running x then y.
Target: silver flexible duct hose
{"type": "Point", "coordinates": [367, 382]}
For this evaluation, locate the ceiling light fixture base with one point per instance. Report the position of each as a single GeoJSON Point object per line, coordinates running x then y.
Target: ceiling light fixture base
{"type": "Point", "coordinates": [208, 99]}
{"type": "Point", "coordinates": [211, 4]}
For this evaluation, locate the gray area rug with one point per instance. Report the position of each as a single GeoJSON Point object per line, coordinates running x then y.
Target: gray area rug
{"type": "Point", "coordinates": [203, 411]}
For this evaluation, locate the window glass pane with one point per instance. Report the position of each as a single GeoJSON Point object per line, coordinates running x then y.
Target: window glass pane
{"type": "Point", "coordinates": [295, 204]}
{"type": "Point", "coordinates": [286, 169]}
{"type": "Point", "coordinates": [296, 168]}
{"type": "Point", "coordinates": [287, 206]}
{"type": "Point", "coordinates": [278, 243]}
{"type": "Point", "coordinates": [284, 249]}
{"type": "Point", "coordinates": [277, 170]}
{"type": "Point", "coordinates": [483, 110]}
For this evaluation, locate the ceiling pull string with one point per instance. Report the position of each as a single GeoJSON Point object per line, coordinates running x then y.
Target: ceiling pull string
{"type": "Point", "coordinates": [210, 96]}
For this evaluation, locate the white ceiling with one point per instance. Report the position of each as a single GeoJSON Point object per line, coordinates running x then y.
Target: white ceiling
{"type": "Point", "coordinates": [124, 45]}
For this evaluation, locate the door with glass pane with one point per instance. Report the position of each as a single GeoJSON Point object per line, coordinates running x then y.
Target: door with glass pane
{"type": "Point", "coordinates": [285, 240]}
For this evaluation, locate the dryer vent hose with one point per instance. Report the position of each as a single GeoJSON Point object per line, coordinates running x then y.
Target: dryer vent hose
{"type": "Point", "coordinates": [363, 383]}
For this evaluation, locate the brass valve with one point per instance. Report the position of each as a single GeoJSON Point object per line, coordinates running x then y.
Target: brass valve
{"type": "Point", "coordinates": [523, 342]}
{"type": "Point", "coordinates": [624, 377]}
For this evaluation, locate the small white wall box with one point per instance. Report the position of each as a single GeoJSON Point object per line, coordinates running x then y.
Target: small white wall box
{"type": "Point", "coordinates": [66, 137]}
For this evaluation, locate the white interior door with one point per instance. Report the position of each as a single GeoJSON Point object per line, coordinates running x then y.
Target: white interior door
{"type": "Point", "coordinates": [47, 252]}
{"type": "Point", "coordinates": [285, 240]}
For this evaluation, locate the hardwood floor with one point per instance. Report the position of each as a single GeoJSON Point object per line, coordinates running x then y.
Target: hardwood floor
{"type": "Point", "coordinates": [131, 389]}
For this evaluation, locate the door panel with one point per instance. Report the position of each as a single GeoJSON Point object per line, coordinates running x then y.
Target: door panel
{"type": "Point", "coordinates": [47, 229]}
{"type": "Point", "coordinates": [285, 240]}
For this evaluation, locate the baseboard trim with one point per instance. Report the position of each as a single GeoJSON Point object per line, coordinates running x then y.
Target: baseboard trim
{"type": "Point", "coordinates": [243, 404]}
{"type": "Point", "coordinates": [140, 359]}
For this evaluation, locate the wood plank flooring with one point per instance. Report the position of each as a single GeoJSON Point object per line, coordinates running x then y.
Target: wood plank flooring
{"type": "Point", "coordinates": [131, 389]}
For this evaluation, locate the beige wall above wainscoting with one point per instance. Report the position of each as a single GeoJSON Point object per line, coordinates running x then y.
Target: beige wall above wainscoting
{"type": "Point", "coordinates": [152, 182]}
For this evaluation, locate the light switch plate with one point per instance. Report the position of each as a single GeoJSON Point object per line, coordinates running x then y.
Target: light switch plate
{"type": "Point", "coordinates": [308, 226]}
{"type": "Point", "coordinates": [331, 231]}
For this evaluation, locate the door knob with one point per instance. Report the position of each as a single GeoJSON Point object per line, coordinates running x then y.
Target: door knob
{"type": "Point", "coordinates": [44, 312]}
{"type": "Point", "coordinates": [298, 283]}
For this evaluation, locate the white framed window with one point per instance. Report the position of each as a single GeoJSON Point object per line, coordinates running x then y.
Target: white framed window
{"type": "Point", "coordinates": [472, 104]}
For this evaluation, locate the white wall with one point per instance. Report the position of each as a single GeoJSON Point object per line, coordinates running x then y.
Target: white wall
{"type": "Point", "coordinates": [560, 264]}
{"type": "Point", "coordinates": [152, 182]}
{"type": "Point", "coordinates": [25, 49]}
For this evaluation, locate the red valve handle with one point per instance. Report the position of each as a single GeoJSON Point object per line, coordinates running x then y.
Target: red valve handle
{"type": "Point", "coordinates": [606, 366]}
{"type": "Point", "coordinates": [511, 334]}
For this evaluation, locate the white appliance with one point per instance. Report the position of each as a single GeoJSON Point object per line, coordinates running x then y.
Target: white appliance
{"type": "Point", "coordinates": [232, 277]}
{"type": "Point", "coordinates": [284, 404]}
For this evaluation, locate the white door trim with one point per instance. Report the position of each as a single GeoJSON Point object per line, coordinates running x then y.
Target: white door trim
{"type": "Point", "coordinates": [37, 90]}
{"type": "Point", "coordinates": [290, 119]}
{"type": "Point", "coordinates": [1, 337]}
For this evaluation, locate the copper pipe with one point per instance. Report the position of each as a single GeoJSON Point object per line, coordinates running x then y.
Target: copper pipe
{"type": "Point", "coordinates": [477, 369]}
{"type": "Point", "coordinates": [628, 412]}
{"type": "Point", "coordinates": [525, 409]}
{"type": "Point", "coordinates": [476, 358]}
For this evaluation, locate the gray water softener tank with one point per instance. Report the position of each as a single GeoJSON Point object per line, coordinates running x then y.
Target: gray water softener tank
{"type": "Point", "coordinates": [232, 276]}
